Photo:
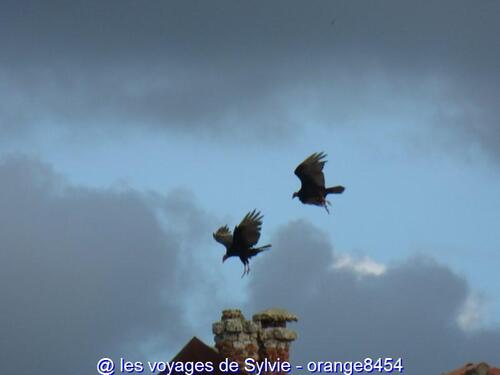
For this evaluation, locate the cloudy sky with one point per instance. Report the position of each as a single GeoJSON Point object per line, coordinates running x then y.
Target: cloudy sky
{"type": "Point", "coordinates": [130, 130]}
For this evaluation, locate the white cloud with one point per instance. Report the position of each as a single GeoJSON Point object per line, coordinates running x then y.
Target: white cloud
{"type": "Point", "coordinates": [362, 266]}
{"type": "Point", "coordinates": [474, 313]}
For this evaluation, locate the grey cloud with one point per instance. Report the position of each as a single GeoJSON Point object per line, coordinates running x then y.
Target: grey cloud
{"type": "Point", "coordinates": [243, 69]}
{"type": "Point", "coordinates": [87, 273]}
{"type": "Point", "coordinates": [409, 312]}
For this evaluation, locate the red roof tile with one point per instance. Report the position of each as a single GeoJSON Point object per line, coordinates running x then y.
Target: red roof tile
{"type": "Point", "coordinates": [475, 369]}
{"type": "Point", "coordinates": [197, 351]}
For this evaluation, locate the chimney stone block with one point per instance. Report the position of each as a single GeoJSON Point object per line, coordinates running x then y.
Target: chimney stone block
{"type": "Point", "coordinates": [233, 325]}
{"type": "Point", "coordinates": [217, 328]}
{"type": "Point", "coordinates": [264, 337]}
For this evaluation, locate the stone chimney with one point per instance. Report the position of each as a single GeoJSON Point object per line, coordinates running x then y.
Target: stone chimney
{"type": "Point", "coordinates": [265, 337]}
{"type": "Point", "coordinates": [235, 337]}
{"type": "Point", "coordinates": [274, 337]}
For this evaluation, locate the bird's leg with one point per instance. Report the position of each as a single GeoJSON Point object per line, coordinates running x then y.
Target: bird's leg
{"type": "Point", "coordinates": [326, 203]}
{"type": "Point", "coordinates": [245, 266]}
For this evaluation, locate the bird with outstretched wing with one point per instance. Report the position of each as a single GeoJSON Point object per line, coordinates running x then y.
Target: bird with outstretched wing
{"type": "Point", "coordinates": [313, 190]}
{"type": "Point", "coordinates": [241, 242]}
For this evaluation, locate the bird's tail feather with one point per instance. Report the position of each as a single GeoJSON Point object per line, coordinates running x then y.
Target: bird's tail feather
{"type": "Point", "coordinates": [335, 190]}
{"type": "Point", "coordinates": [262, 248]}
{"type": "Point", "coordinates": [256, 250]}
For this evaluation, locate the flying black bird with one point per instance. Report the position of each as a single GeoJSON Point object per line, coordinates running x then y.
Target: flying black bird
{"type": "Point", "coordinates": [313, 190]}
{"type": "Point", "coordinates": [241, 243]}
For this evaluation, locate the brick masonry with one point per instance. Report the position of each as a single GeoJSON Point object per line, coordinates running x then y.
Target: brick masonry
{"type": "Point", "coordinates": [264, 337]}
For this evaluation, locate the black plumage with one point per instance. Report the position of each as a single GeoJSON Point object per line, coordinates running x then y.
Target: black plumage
{"type": "Point", "coordinates": [241, 242]}
{"type": "Point", "coordinates": [313, 190]}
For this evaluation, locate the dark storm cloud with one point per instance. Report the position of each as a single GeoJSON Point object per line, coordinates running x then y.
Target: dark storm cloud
{"type": "Point", "coordinates": [88, 273]}
{"type": "Point", "coordinates": [242, 67]}
{"type": "Point", "coordinates": [410, 311]}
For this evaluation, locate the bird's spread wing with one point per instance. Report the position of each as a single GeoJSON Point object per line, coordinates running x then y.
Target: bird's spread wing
{"type": "Point", "coordinates": [247, 233]}
{"type": "Point", "coordinates": [224, 236]}
{"type": "Point", "coordinates": [310, 171]}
